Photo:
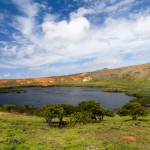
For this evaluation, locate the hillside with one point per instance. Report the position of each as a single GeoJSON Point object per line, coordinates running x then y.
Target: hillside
{"type": "Point", "coordinates": [132, 80]}
{"type": "Point", "coordinates": [133, 72]}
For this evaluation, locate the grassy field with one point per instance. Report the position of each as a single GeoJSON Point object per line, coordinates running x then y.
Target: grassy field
{"type": "Point", "coordinates": [32, 133]}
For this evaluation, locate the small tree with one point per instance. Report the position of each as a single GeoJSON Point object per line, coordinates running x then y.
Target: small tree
{"type": "Point", "coordinates": [85, 110]}
{"type": "Point", "coordinates": [132, 109]}
{"type": "Point", "coordinates": [56, 111]}
{"type": "Point", "coordinates": [51, 111]}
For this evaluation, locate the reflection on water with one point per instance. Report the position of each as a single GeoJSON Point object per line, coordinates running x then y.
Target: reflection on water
{"type": "Point", "coordinates": [38, 96]}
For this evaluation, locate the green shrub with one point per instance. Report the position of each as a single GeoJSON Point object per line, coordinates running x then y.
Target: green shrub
{"type": "Point", "coordinates": [133, 109]}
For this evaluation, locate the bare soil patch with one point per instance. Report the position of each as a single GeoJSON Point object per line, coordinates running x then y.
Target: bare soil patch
{"type": "Point", "coordinates": [2, 113]}
{"type": "Point", "coordinates": [129, 138]}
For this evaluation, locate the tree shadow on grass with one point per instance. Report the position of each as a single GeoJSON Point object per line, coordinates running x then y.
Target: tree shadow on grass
{"type": "Point", "coordinates": [144, 120]}
{"type": "Point", "coordinates": [100, 121]}
{"type": "Point", "coordinates": [131, 120]}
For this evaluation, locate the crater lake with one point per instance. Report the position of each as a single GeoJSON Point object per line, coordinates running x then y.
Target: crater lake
{"type": "Point", "coordinates": [39, 96]}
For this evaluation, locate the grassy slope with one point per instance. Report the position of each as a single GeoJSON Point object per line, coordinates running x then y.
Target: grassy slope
{"type": "Point", "coordinates": [24, 132]}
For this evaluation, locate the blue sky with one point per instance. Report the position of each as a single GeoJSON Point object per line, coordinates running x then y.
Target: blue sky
{"type": "Point", "coordinates": [59, 37]}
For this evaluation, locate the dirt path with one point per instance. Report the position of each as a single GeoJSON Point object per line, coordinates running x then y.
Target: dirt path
{"type": "Point", "coordinates": [14, 113]}
{"type": "Point", "coordinates": [2, 113]}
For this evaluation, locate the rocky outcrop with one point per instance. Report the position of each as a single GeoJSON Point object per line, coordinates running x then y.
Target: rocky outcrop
{"type": "Point", "coordinates": [87, 79]}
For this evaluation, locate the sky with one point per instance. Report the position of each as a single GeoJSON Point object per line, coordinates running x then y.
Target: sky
{"type": "Point", "coordinates": [59, 37]}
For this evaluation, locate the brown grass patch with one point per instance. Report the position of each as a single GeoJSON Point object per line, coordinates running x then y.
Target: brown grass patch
{"type": "Point", "coordinates": [2, 113]}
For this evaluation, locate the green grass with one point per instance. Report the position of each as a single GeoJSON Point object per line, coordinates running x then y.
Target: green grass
{"type": "Point", "coordinates": [32, 133]}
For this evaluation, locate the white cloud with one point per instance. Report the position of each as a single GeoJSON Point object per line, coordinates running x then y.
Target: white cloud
{"type": "Point", "coordinates": [142, 26]}
{"type": "Point", "coordinates": [81, 12]}
{"type": "Point", "coordinates": [64, 45]}
{"type": "Point", "coordinates": [30, 9]}
{"type": "Point", "coordinates": [112, 7]}
{"type": "Point", "coordinates": [75, 30]}
{"type": "Point", "coordinates": [120, 6]}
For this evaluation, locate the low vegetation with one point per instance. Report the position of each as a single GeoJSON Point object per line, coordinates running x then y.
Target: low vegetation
{"type": "Point", "coordinates": [13, 91]}
{"type": "Point", "coordinates": [24, 109]}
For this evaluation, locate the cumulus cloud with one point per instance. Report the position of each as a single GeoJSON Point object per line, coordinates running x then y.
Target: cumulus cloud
{"type": "Point", "coordinates": [74, 30]}
{"type": "Point", "coordinates": [76, 44]}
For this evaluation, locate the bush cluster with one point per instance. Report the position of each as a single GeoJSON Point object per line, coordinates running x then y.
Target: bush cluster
{"type": "Point", "coordinates": [27, 109]}
{"type": "Point", "coordinates": [85, 111]}
{"type": "Point", "coordinates": [88, 111]}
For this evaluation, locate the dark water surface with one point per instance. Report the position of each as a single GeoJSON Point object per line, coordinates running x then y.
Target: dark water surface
{"type": "Point", "coordinates": [38, 96]}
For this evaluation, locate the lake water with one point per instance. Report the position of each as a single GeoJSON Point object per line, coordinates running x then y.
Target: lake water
{"type": "Point", "coordinates": [38, 96]}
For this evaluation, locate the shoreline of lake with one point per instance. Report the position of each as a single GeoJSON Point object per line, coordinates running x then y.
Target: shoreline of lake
{"type": "Point", "coordinates": [38, 96]}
